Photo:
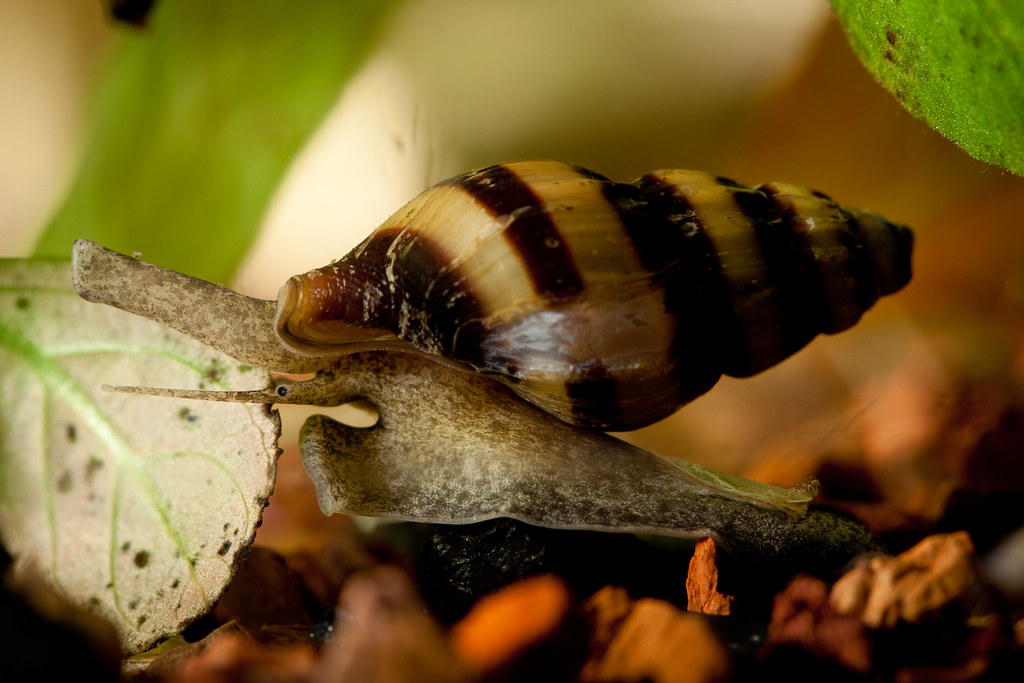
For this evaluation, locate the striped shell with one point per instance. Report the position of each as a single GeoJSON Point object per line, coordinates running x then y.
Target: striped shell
{"type": "Point", "coordinates": [607, 304]}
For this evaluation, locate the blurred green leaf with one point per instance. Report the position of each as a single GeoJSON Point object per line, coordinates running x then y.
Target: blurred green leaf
{"type": "Point", "coordinates": [136, 508]}
{"type": "Point", "coordinates": [196, 120]}
{"type": "Point", "coordinates": [956, 64]}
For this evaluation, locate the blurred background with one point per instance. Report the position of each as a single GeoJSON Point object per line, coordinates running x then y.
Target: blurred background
{"type": "Point", "coordinates": [751, 90]}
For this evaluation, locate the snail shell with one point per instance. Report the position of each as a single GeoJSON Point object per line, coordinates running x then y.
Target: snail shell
{"type": "Point", "coordinates": [607, 304]}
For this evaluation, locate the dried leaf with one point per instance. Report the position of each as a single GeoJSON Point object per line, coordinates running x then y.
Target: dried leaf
{"type": "Point", "coordinates": [802, 618]}
{"type": "Point", "coordinates": [265, 592]}
{"type": "Point", "coordinates": [911, 586]}
{"type": "Point", "coordinates": [383, 634]}
{"type": "Point", "coordinates": [606, 610]}
{"type": "Point", "coordinates": [659, 643]}
{"type": "Point", "coordinates": [137, 508]}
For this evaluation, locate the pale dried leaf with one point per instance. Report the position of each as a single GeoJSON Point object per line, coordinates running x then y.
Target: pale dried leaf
{"type": "Point", "coordinates": [911, 586]}
{"type": "Point", "coordinates": [135, 507]}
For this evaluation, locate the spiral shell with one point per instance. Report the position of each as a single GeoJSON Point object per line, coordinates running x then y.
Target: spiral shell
{"type": "Point", "coordinates": [607, 304]}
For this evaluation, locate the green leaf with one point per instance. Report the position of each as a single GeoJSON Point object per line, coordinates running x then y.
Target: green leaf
{"type": "Point", "coordinates": [136, 507]}
{"type": "Point", "coordinates": [196, 120]}
{"type": "Point", "coordinates": [958, 65]}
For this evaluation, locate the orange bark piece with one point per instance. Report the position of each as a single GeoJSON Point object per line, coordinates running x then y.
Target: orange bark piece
{"type": "Point", "coordinates": [509, 621]}
{"type": "Point", "coordinates": [702, 581]}
{"type": "Point", "coordinates": [658, 643]}
{"type": "Point", "coordinates": [910, 586]}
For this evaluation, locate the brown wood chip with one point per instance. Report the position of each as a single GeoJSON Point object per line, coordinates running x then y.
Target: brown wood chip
{"type": "Point", "coordinates": [702, 581]}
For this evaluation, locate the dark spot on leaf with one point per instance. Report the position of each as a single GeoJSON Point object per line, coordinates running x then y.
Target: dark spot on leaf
{"type": "Point", "coordinates": [187, 415]}
{"type": "Point", "coordinates": [213, 374]}
{"type": "Point", "coordinates": [225, 547]}
{"type": "Point", "coordinates": [890, 36]}
{"type": "Point", "coordinates": [125, 546]}
{"type": "Point", "coordinates": [175, 583]}
{"type": "Point", "coordinates": [72, 433]}
{"type": "Point", "coordinates": [21, 303]}
{"type": "Point", "coordinates": [94, 600]}
{"type": "Point", "coordinates": [235, 532]}
{"type": "Point", "coordinates": [141, 558]}
{"type": "Point", "coordinates": [134, 604]}
{"type": "Point", "coordinates": [142, 620]}
{"type": "Point", "coordinates": [109, 585]}
{"type": "Point", "coordinates": [92, 467]}
{"type": "Point", "coordinates": [888, 56]}
{"type": "Point", "coordinates": [64, 482]}
{"type": "Point", "coordinates": [227, 525]}
{"type": "Point", "coordinates": [192, 561]}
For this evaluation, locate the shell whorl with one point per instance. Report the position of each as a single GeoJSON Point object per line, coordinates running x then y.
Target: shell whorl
{"type": "Point", "coordinates": [607, 304]}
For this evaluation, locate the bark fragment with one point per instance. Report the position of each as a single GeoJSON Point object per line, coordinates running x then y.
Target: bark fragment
{"type": "Point", "coordinates": [702, 581]}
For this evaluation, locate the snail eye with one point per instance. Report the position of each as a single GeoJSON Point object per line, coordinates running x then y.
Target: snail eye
{"type": "Point", "coordinates": [282, 391]}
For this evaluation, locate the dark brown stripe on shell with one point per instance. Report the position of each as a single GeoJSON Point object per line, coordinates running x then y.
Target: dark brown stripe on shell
{"type": "Point", "coordinates": [594, 396]}
{"type": "Point", "coordinates": [813, 281]}
{"type": "Point", "coordinates": [682, 256]}
{"type": "Point", "coordinates": [531, 233]}
{"type": "Point", "coordinates": [428, 285]}
{"type": "Point", "coordinates": [654, 232]}
{"type": "Point", "coordinates": [861, 265]}
{"type": "Point", "coordinates": [898, 257]}
{"type": "Point", "coordinates": [790, 276]}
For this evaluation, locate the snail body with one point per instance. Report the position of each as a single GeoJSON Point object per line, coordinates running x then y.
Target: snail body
{"type": "Point", "coordinates": [607, 304]}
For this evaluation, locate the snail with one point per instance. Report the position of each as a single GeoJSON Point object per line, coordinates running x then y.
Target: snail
{"type": "Point", "coordinates": [609, 305]}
